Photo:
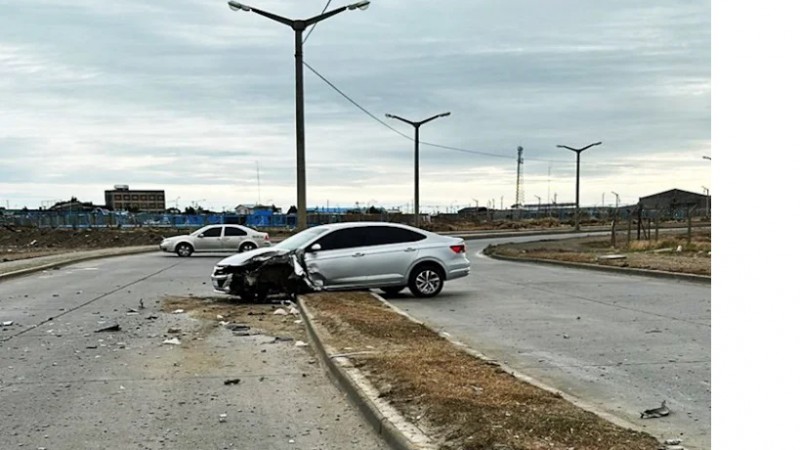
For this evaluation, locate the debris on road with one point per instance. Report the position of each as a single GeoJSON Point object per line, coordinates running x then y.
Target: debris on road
{"type": "Point", "coordinates": [151, 317]}
{"type": "Point", "coordinates": [173, 330]}
{"type": "Point", "coordinates": [654, 413]}
{"type": "Point", "coordinates": [280, 312]}
{"type": "Point", "coordinates": [294, 311]}
{"type": "Point", "coordinates": [8, 323]}
{"type": "Point", "coordinates": [178, 311]}
{"type": "Point", "coordinates": [223, 418]}
{"type": "Point", "coordinates": [300, 344]}
{"type": "Point", "coordinates": [172, 341]}
{"type": "Point", "coordinates": [109, 328]}
{"type": "Point", "coordinates": [232, 381]}
{"type": "Point", "coordinates": [675, 441]}
{"type": "Point", "coordinates": [141, 303]}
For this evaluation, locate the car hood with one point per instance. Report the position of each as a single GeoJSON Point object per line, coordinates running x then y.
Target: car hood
{"type": "Point", "coordinates": [242, 258]}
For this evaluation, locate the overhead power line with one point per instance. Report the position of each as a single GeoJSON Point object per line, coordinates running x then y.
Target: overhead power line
{"type": "Point", "coordinates": [377, 119]}
{"type": "Point", "coordinates": [315, 23]}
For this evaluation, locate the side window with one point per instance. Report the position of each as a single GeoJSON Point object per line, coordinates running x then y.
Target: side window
{"type": "Point", "coordinates": [233, 231]}
{"type": "Point", "coordinates": [213, 232]}
{"type": "Point", "coordinates": [340, 239]}
{"type": "Point", "coordinates": [391, 235]}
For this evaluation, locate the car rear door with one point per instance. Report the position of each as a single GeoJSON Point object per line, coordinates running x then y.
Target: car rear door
{"type": "Point", "coordinates": [232, 238]}
{"type": "Point", "coordinates": [389, 252]}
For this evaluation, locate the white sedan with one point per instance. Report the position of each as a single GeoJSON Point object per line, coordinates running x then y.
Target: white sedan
{"type": "Point", "coordinates": [216, 238]}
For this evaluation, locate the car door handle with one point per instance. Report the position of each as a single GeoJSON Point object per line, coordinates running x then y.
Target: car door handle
{"type": "Point", "coordinates": [410, 249]}
{"type": "Point", "coordinates": [357, 255]}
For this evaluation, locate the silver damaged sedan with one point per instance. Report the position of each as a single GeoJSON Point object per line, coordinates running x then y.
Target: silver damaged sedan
{"type": "Point", "coordinates": [346, 256]}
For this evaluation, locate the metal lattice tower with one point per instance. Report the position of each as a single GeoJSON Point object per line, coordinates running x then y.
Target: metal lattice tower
{"type": "Point", "coordinates": [520, 199]}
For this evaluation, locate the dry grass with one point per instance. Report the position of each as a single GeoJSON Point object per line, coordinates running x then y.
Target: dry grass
{"type": "Point", "coordinates": [462, 401]}
{"type": "Point", "coordinates": [693, 258]}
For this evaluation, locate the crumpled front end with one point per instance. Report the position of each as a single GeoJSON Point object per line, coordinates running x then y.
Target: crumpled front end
{"type": "Point", "coordinates": [263, 277]}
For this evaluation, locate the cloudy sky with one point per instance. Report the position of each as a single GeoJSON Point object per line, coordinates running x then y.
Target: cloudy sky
{"type": "Point", "coordinates": [188, 96]}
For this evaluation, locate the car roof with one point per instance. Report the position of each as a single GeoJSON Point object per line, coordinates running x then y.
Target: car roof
{"type": "Point", "coordinates": [340, 225]}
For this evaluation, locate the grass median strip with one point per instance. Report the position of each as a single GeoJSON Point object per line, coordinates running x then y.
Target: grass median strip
{"type": "Point", "coordinates": [461, 401]}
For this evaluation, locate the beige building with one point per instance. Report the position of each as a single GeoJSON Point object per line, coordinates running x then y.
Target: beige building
{"type": "Point", "coordinates": [123, 198]}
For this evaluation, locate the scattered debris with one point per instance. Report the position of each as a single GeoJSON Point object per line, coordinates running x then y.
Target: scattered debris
{"type": "Point", "coordinates": [611, 257]}
{"type": "Point", "coordinates": [299, 321]}
{"type": "Point", "coordinates": [223, 417]}
{"type": "Point", "coordinates": [675, 441]}
{"type": "Point", "coordinates": [141, 303]}
{"type": "Point", "coordinates": [232, 381]}
{"type": "Point", "coordinates": [173, 330]}
{"type": "Point", "coordinates": [283, 339]}
{"type": "Point", "coordinates": [133, 310]}
{"type": "Point", "coordinates": [656, 330]}
{"type": "Point", "coordinates": [8, 323]}
{"type": "Point", "coordinates": [566, 336]}
{"type": "Point", "coordinates": [151, 317]}
{"type": "Point", "coordinates": [662, 411]}
{"type": "Point", "coordinates": [280, 312]}
{"type": "Point", "coordinates": [172, 341]}
{"type": "Point", "coordinates": [178, 311]}
{"type": "Point", "coordinates": [679, 249]}
{"type": "Point", "coordinates": [109, 328]}
{"type": "Point", "coordinates": [294, 311]}
{"type": "Point", "coordinates": [300, 344]}
{"type": "Point", "coordinates": [91, 347]}
{"type": "Point", "coordinates": [220, 317]}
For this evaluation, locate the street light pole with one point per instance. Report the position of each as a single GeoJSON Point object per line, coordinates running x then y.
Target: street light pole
{"type": "Point", "coordinates": [299, 26]}
{"type": "Point", "coordinates": [578, 152]}
{"type": "Point", "coordinates": [416, 126]}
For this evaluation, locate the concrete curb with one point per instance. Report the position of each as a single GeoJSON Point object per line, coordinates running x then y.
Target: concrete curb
{"type": "Point", "coordinates": [619, 270]}
{"type": "Point", "coordinates": [76, 259]}
{"type": "Point", "coordinates": [387, 422]}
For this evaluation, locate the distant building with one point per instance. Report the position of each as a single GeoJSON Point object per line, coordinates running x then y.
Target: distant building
{"type": "Point", "coordinates": [676, 201]}
{"type": "Point", "coordinates": [252, 208]}
{"type": "Point", "coordinates": [121, 198]}
{"type": "Point", "coordinates": [72, 205]}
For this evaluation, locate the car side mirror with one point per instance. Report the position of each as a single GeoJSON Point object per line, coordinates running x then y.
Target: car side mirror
{"type": "Point", "coordinates": [316, 248]}
{"type": "Point", "coordinates": [200, 235]}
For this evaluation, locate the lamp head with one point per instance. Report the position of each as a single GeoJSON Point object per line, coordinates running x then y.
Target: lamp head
{"type": "Point", "coordinates": [360, 5]}
{"type": "Point", "coordinates": [236, 6]}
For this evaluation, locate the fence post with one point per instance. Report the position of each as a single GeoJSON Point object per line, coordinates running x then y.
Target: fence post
{"type": "Point", "coordinates": [614, 232]}
{"type": "Point", "coordinates": [658, 217]}
{"type": "Point", "coordinates": [689, 221]}
{"type": "Point", "coordinates": [630, 223]}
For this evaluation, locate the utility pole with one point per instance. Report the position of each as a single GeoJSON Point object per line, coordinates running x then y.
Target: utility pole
{"type": "Point", "coordinates": [578, 152]}
{"type": "Point", "coordinates": [416, 126]}
{"type": "Point", "coordinates": [520, 198]}
{"type": "Point", "coordinates": [299, 26]}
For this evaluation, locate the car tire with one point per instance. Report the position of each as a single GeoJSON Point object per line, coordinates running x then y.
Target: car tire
{"type": "Point", "coordinates": [426, 281]}
{"type": "Point", "coordinates": [184, 250]}
{"type": "Point", "coordinates": [246, 247]}
{"type": "Point", "coordinates": [392, 291]}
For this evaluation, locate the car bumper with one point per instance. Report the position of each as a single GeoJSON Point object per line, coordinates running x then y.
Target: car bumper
{"type": "Point", "coordinates": [221, 282]}
{"type": "Point", "coordinates": [458, 272]}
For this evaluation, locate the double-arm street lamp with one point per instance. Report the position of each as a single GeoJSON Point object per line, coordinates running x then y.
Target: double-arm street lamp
{"type": "Point", "coordinates": [416, 126]}
{"type": "Point", "coordinates": [578, 152]}
{"type": "Point", "coordinates": [299, 26]}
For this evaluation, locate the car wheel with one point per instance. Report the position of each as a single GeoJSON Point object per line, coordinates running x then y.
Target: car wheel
{"type": "Point", "coordinates": [392, 291]}
{"type": "Point", "coordinates": [184, 250]}
{"type": "Point", "coordinates": [426, 281]}
{"type": "Point", "coordinates": [247, 246]}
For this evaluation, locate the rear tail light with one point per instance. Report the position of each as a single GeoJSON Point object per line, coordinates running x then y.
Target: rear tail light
{"type": "Point", "coordinates": [266, 236]}
{"type": "Point", "coordinates": [460, 248]}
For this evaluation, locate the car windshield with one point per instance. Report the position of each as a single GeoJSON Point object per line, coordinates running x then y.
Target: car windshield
{"type": "Point", "coordinates": [300, 239]}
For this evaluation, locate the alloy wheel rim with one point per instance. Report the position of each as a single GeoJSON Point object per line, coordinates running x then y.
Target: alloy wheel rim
{"type": "Point", "coordinates": [428, 281]}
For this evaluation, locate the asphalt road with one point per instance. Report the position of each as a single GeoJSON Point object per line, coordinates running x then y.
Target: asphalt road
{"type": "Point", "coordinates": [621, 343]}
{"type": "Point", "coordinates": [63, 386]}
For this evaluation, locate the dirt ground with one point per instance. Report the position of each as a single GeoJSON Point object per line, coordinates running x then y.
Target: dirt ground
{"type": "Point", "coordinates": [460, 401]}
{"type": "Point", "coordinates": [29, 242]}
{"type": "Point", "coordinates": [664, 254]}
